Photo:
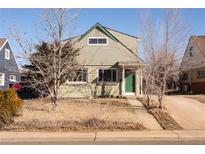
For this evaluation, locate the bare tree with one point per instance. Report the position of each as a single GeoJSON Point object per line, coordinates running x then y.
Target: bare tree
{"type": "Point", "coordinates": [53, 60]}
{"type": "Point", "coordinates": [163, 42]}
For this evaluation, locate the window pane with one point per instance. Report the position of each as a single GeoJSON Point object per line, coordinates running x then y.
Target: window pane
{"type": "Point", "coordinates": [100, 74]}
{"type": "Point", "coordinates": [7, 54]}
{"type": "Point", "coordinates": [80, 76]}
{"type": "Point", "coordinates": [102, 41]}
{"type": "Point", "coordinates": [107, 75]}
{"type": "Point", "coordinates": [93, 41]}
{"type": "Point", "coordinates": [1, 78]}
{"type": "Point", "coordinates": [114, 79]}
{"type": "Point", "coordinates": [77, 76]}
{"type": "Point", "coordinates": [201, 73]}
{"type": "Point", "coordinates": [84, 76]}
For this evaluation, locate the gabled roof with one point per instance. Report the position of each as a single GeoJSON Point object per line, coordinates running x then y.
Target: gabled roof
{"type": "Point", "coordinates": [121, 32]}
{"type": "Point", "coordinates": [200, 42]}
{"type": "Point", "coordinates": [100, 28]}
{"type": "Point", "coordinates": [2, 42]}
{"type": "Point", "coordinates": [106, 32]}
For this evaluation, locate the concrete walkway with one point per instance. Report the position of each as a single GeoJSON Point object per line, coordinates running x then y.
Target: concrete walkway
{"type": "Point", "coordinates": [144, 117]}
{"type": "Point", "coordinates": [189, 113]}
{"type": "Point", "coordinates": [125, 137]}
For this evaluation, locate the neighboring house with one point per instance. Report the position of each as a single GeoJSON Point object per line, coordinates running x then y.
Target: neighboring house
{"type": "Point", "coordinates": [9, 72]}
{"type": "Point", "coordinates": [110, 64]}
{"type": "Point", "coordinates": [193, 66]}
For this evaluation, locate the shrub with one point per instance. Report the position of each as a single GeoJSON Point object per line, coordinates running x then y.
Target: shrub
{"type": "Point", "coordinates": [10, 105]}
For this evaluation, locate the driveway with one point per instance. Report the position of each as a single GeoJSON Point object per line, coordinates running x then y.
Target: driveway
{"type": "Point", "coordinates": [200, 98]}
{"type": "Point", "coordinates": [143, 116]}
{"type": "Point", "coordinates": [188, 112]}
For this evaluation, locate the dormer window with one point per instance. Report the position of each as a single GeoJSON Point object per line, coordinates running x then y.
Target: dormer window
{"type": "Point", "coordinates": [7, 54]}
{"type": "Point", "coordinates": [97, 41]}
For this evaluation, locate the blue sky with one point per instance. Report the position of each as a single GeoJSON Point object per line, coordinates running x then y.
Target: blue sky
{"type": "Point", "coordinates": [125, 20]}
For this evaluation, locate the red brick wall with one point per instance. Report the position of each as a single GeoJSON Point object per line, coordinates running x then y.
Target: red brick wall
{"type": "Point", "coordinates": [198, 87]}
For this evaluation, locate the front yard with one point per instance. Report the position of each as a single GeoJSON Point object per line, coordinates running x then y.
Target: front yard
{"type": "Point", "coordinates": [76, 115]}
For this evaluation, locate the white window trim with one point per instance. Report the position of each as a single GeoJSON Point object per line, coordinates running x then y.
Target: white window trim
{"type": "Point", "coordinates": [9, 54]}
{"type": "Point", "coordinates": [76, 82]}
{"type": "Point", "coordinates": [3, 81]}
{"type": "Point", "coordinates": [12, 80]}
{"type": "Point", "coordinates": [201, 75]}
{"type": "Point", "coordinates": [107, 81]}
{"type": "Point", "coordinates": [4, 44]}
{"type": "Point", "coordinates": [97, 43]}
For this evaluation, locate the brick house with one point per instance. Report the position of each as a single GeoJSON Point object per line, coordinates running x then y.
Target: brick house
{"type": "Point", "coordinates": [193, 66]}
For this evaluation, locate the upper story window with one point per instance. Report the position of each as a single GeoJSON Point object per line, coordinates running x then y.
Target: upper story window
{"type": "Point", "coordinates": [97, 41]}
{"type": "Point", "coordinates": [191, 51]}
{"type": "Point", "coordinates": [7, 54]}
{"type": "Point", "coordinates": [13, 78]}
{"type": "Point", "coordinates": [201, 73]}
{"type": "Point", "coordinates": [2, 79]}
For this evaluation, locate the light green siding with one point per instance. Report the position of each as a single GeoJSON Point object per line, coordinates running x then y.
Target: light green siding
{"type": "Point", "coordinates": [92, 87]}
{"type": "Point", "coordinates": [94, 57]}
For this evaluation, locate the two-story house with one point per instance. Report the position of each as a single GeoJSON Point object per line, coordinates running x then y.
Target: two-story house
{"type": "Point", "coordinates": [110, 64]}
{"type": "Point", "coordinates": [193, 65]}
{"type": "Point", "coordinates": [9, 72]}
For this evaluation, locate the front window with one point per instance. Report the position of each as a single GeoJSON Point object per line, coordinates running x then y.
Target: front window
{"type": "Point", "coordinates": [97, 41]}
{"type": "Point", "coordinates": [13, 78]}
{"type": "Point", "coordinates": [80, 76]}
{"type": "Point", "coordinates": [201, 73]}
{"type": "Point", "coordinates": [7, 54]}
{"type": "Point", "coordinates": [107, 75]}
{"type": "Point", "coordinates": [1, 79]}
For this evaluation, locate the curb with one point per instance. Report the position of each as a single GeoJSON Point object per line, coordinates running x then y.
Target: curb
{"type": "Point", "coordinates": [132, 137]}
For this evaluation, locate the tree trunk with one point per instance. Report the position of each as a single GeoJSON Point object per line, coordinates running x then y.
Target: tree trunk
{"type": "Point", "coordinates": [54, 101]}
{"type": "Point", "coordinates": [160, 103]}
{"type": "Point", "coordinates": [148, 101]}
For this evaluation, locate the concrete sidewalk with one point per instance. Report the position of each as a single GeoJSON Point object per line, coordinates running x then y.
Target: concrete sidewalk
{"type": "Point", "coordinates": [126, 137]}
{"type": "Point", "coordinates": [144, 117]}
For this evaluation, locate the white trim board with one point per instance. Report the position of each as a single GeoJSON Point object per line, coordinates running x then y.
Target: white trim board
{"type": "Point", "coordinates": [4, 44]}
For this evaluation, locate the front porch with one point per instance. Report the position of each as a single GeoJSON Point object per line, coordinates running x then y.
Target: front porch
{"type": "Point", "coordinates": [131, 79]}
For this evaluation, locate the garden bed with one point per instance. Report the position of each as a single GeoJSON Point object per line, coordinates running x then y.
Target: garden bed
{"type": "Point", "coordinates": [85, 125]}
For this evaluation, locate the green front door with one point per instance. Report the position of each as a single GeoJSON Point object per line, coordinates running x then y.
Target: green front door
{"type": "Point", "coordinates": [129, 81]}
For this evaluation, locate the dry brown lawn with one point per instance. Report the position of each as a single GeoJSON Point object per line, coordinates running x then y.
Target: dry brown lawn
{"type": "Point", "coordinates": [77, 114]}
